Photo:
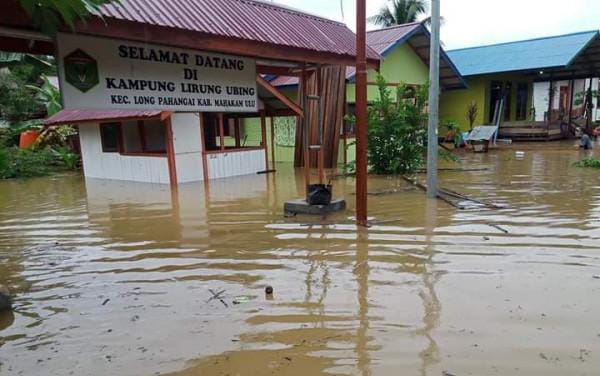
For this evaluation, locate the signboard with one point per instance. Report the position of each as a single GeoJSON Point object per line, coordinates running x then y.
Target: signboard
{"type": "Point", "coordinates": [99, 73]}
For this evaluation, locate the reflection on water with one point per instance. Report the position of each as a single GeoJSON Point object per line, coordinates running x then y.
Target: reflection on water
{"type": "Point", "coordinates": [115, 277]}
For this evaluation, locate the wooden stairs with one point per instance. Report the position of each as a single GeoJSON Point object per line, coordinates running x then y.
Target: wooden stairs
{"type": "Point", "coordinates": [530, 131]}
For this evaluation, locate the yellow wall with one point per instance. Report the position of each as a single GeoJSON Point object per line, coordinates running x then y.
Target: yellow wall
{"type": "Point", "coordinates": [453, 104]}
{"type": "Point", "coordinates": [400, 66]}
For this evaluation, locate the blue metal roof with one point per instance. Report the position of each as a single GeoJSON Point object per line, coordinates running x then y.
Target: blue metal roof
{"type": "Point", "coordinates": [533, 54]}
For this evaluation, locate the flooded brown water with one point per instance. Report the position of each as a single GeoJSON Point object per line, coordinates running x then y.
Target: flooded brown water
{"type": "Point", "coordinates": [114, 278]}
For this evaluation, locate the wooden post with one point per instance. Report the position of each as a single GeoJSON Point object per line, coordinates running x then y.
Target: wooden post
{"type": "Point", "coordinates": [263, 131]}
{"type": "Point", "coordinates": [571, 96]}
{"type": "Point", "coordinates": [171, 153]}
{"type": "Point", "coordinates": [361, 113]}
{"type": "Point", "coordinates": [321, 126]}
{"type": "Point", "coordinates": [221, 132]}
{"type": "Point", "coordinates": [434, 98]}
{"type": "Point", "coordinates": [140, 124]}
{"type": "Point", "coordinates": [305, 130]}
{"type": "Point", "coordinates": [236, 130]}
{"type": "Point", "coordinates": [344, 135]}
{"type": "Point", "coordinates": [272, 142]}
{"type": "Point", "coordinates": [550, 100]}
{"type": "Point", "coordinates": [203, 146]}
{"type": "Point", "coordinates": [345, 144]}
{"type": "Point", "coordinates": [589, 107]}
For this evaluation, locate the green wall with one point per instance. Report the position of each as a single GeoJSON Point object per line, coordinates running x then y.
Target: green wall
{"type": "Point", "coordinates": [250, 131]}
{"type": "Point", "coordinates": [453, 104]}
{"type": "Point", "coordinates": [402, 65]}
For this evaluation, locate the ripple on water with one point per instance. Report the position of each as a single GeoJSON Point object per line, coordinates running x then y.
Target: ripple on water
{"type": "Point", "coordinates": [113, 276]}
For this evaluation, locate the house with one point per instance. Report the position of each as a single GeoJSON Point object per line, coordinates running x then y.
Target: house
{"type": "Point", "coordinates": [405, 51]}
{"type": "Point", "coordinates": [155, 94]}
{"type": "Point", "coordinates": [523, 74]}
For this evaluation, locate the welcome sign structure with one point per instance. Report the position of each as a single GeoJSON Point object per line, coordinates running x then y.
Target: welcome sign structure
{"type": "Point", "coordinates": [99, 73]}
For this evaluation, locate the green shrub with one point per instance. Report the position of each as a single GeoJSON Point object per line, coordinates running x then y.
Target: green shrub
{"type": "Point", "coordinates": [15, 162]}
{"type": "Point", "coordinates": [17, 101]}
{"type": "Point", "coordinates": [588, 162]}
{"type": "Point", "coordinates": [397, 130]}
{"type": "Point", "coordinates": [69, 159]}
{"type": "Point", "coordinates": [4, 162]}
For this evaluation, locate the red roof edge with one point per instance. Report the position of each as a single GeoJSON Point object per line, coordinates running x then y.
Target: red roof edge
{"type": "Point", "coordinates": [91, 116]}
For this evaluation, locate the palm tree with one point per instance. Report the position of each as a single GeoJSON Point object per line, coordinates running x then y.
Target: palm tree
{"type": "Point", "coordinates": [400, 12]}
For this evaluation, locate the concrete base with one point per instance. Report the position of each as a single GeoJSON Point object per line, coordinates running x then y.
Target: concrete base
{"type": "Point", "coordinates": [300, 206]}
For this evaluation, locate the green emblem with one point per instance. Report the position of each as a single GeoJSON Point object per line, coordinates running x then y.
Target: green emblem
{"type": "Point", "coordinates": [81, 70]}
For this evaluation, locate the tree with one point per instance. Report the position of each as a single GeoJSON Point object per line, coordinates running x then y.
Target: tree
{"type": "Point", "coordinates": [49, 15]}
{"type": "Point", "coordinates": [397, 129]}
{"type": "Point", "coordinates": [400, 12]}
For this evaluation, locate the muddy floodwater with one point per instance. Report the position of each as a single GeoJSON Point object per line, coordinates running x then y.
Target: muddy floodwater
{"type": "Point", "coordinates": [116, 278]}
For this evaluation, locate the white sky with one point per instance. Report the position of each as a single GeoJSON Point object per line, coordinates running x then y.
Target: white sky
{"type": "Point", "coordinates": [477, 22]}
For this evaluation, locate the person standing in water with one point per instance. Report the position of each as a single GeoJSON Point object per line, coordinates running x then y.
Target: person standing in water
{"type": "Point", "coordinates": [585, 142]}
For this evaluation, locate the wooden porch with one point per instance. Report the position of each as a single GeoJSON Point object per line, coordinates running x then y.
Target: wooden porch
{"type": "Point", "coordinates": [527, 130]}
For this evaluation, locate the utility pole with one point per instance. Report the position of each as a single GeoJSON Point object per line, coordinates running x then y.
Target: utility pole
{"type": "Point", "coordinates": [361, 113]}
{"type": "Point", "coordinates": [434, 100]}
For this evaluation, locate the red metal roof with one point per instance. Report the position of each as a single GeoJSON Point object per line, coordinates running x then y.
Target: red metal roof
{"type": "Point", "coordinates": [245, 19]}
{"type": "Point", "coordinates": [379, 40]}
{"type": "Point", "coordinates": [88, 116]}
{"type": "Point", "coordinates": [383, 39]}
{"type": "Point", "coordinates": [284, 81]}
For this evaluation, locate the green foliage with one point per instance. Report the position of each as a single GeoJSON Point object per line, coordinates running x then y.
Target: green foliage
{"type": "Point", "coordinates": [55, 136]}
{"type": "Point", "coordinates": [586, 97]}
{"type": "Point", "coordinates": [451, 125]}
{"type": "Point", "coordinates": [454, 129]}
{"type": "Point", "coordinates": [15, 162]}
{"type": "Point", "coordinates": [400, 12]}
{"type": "Point", "coordinates": [69, 159]}
{"type": "Point", "coordinates": [588, 162]}
{"type": "Point", "coordinates": [397, 130]}
{"type": "Point", "coordinates": [4, 161]}
{"type": "Point", "coordinates": [48, 96]}
{"type": "Point", "coordinates": [49, 15]}
{"type": "Point", "coordinates": [23, 163]}
{"type": "Point", "coordinates": [17, 103]}
{"type": "Point", "coordinates": [285, 131]}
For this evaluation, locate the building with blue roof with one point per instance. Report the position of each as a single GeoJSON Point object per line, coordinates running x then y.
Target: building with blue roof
{"type": "Point", "coordinates": [526, 74]}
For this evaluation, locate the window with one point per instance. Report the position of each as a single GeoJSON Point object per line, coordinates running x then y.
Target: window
{"type": "Point", "coordinates": [522, 96]}
{"type": "Point", "coordinates": [211, 131]}
{"type": "Point", "coordinates": [153, 136]}
{"type": "Point", "coordinates": [109, 136]}
{"type": "Point", "coordinates": [231, 139]}
{"type": "Point", "coordinates": [350, 127]}
{"type": "Point", "coordinates": [134, 137]}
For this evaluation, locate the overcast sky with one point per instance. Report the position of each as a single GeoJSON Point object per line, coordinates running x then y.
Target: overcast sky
{"type": "Point", "coordinates": [476, 22]}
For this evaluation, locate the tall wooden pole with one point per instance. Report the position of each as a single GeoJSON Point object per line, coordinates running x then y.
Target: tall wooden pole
{"type": "Point", "coordinates": [361, 113]}
{"type": "Point", "coordinates": [221, 131]}
{"type": "Point", "coordinates": [434, 98]}
{"type": "Point", "coordinates": [272, 143]}
{"type": "Point", "coordinates": [263, 137]}
{"type": "Point", "coordinates": [305, 129]}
